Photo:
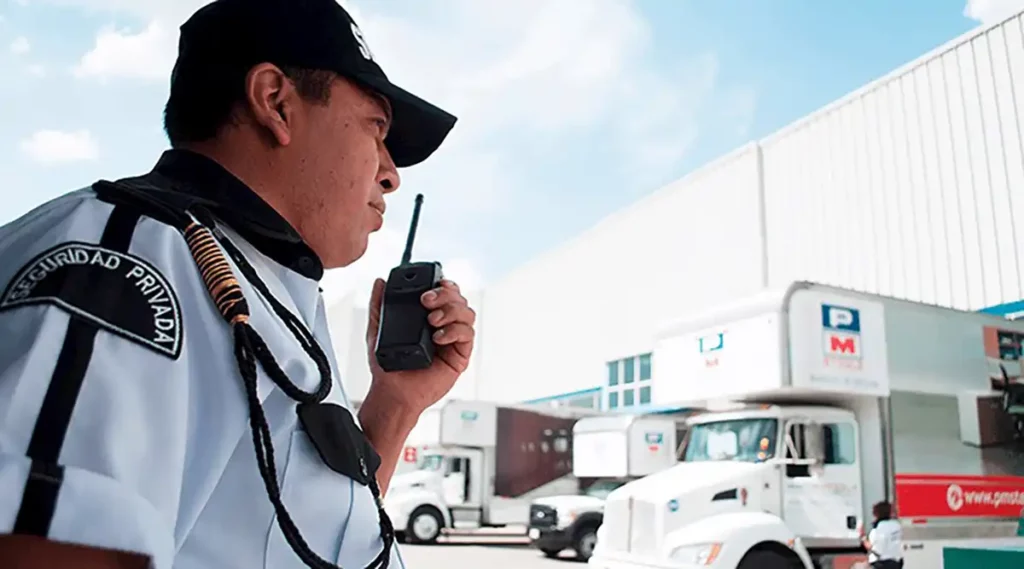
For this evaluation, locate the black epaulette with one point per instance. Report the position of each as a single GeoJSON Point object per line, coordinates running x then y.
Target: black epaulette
{"type": "Point", "coordinates": [151, 198]}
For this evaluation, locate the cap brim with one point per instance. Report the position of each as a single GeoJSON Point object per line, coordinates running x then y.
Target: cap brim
{"type": "Point", "coordinates": [417, 127]}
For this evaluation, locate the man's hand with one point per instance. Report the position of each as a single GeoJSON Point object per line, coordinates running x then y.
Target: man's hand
{"type": "Point", "coordinates": [450, 313]}
{"type": "Point", "coordinates": [396, 400]}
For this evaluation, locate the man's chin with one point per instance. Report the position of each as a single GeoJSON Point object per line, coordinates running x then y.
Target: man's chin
{"type": "Point", "coordinates": [349, 256]}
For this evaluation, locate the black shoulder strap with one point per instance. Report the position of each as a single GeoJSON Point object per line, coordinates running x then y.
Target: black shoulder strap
{"type": "Point", "coordinates": [149, 197]}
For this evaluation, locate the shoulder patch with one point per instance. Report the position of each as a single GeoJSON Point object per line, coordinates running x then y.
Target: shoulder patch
{"type": "Point", "coordinates": [118, 292]}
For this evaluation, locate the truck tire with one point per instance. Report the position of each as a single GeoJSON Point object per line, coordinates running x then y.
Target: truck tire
{"type": "Point", "coordinates": [425, 525]}
{"type": "Point", "coordinates": [583, 542]}
{"type": "Point", "coordinates": [765, 559]}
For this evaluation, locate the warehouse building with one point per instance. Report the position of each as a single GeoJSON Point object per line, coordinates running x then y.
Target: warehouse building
{"type": "Point", "coordinates": [912, 187]}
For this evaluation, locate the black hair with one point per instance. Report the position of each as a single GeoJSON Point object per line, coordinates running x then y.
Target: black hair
{"type": "Point", "coordinates": [201, 103]}
{"type": "Point", "coordinates": [882, 510]}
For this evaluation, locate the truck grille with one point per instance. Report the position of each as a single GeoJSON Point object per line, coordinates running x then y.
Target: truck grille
{"type": "Point", "coordinates": [644, 532]}
{"type": "Point", "coordinates": [543, 516]}
{"type": "Point", "coordinates": [615, 532]}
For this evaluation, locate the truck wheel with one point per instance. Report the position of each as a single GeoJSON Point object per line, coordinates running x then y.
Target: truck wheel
{"type": "Point", "coordinates": [425, 525]}
{"type": "Point", "coordinates": [763, 559]}
{"type": "Point", "coordinates": [584, 542]}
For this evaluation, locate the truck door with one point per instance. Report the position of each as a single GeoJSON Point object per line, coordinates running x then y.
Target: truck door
{"type": "Point", "coordinates": [456, 487]}
{"type": "Point", "coordinates": [822, 498]}
{"type": "Point", "coordinates": [462, 480]}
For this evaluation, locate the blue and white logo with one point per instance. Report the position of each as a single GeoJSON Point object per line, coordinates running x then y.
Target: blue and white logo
{"type": "Point", "coordinates": [673, 505]}
{"type": "Point", "coordinates": [711, 343]}
{"type": "Point", "coordinates": [840, 318]}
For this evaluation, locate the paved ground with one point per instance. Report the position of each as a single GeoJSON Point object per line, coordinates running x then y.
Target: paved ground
{"type": "Point", "coordinates": [483, 552]}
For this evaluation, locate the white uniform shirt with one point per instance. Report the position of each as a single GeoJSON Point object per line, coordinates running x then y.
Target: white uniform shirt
{"type": "Point", "coordinates": [156, 449]}
{"type": "Point", "coordinates": [886, 541]}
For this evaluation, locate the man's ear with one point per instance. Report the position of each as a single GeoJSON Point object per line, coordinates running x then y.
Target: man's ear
{"type": "Point", "coordinates": [270, 95]}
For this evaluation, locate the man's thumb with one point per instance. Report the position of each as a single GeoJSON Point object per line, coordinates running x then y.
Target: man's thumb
{"type": "Point", "coordinates": [376, 298]}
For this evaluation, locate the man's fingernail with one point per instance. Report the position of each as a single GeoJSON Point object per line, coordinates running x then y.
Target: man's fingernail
{"type": "Point", "coordinates": [438, 334]}
{"type": "Point", "coordinates": [429, 296]}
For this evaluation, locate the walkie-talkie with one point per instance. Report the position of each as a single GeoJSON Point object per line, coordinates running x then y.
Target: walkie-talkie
{"type": "Point", "coordinates": [404, 339]}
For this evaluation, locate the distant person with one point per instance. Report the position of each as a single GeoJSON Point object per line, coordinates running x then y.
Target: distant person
{"type": "Point", "coordinates": [884, 543]}
{"type": "Point", "coordinates": [168, 393]}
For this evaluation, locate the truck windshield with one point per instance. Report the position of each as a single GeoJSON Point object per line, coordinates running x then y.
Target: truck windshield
{"type": "Point", "coordinates": [746, 440]}
{"type": "Point", "coordinates": [432, 462]}
{"type": "Point", "coordinates": [602, 488]}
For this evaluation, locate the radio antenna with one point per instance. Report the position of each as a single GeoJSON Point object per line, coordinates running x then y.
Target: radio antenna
{"type": "Point", "coordinates": [407, 254]}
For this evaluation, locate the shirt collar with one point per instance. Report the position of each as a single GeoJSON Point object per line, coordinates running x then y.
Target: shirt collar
{"type": "Point", "coordinates": [241, 208]}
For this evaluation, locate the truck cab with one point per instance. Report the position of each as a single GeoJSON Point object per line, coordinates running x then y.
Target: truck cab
{"type": "Point", "coordinates": [571, 521]}
{"type": "Point", "coordinates": [608, 451]}
{"type": "Point", "coordinates": [431, 498]}
{"type": "Point", "coordinates": [479, 464]}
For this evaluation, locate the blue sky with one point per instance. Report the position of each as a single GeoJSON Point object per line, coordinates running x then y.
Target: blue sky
{"type": "Point", "coordinates": [568, 109]}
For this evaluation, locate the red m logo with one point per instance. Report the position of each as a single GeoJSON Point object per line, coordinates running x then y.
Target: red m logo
{"type": "Point", "coordinates": [842, 345]}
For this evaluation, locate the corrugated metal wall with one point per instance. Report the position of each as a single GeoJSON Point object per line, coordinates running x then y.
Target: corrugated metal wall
{"type": "Point", "coordinates": [912, 187]}
{"type": "Point", "coordinates": [550, 326]}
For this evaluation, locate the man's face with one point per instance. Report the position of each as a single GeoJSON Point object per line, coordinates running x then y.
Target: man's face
{"type": "Point", "coordinates": [344, 170]}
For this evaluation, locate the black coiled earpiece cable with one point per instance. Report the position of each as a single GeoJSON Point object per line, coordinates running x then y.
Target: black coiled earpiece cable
{"type": "Point", "coordinates": [203, 237]}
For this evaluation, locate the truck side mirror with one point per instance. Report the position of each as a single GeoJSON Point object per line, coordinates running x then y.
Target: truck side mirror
{"type": "Point", "coordinates": [814, 442]}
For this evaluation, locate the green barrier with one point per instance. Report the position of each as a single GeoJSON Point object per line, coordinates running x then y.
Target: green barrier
{"type": "Point", "coordinates": [989, 558]}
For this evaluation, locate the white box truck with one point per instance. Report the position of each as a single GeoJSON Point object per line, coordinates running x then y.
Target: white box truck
{"type": "Point", "coordinates": [607, 452]}
{"type": "Point", "coordinates": [828, 402]}
{"type": "Point", "coordinates": [480, 464]}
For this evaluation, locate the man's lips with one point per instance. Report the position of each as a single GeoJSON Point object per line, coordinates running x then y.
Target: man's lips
{"type": "Point", "coordinates": [379, 207]}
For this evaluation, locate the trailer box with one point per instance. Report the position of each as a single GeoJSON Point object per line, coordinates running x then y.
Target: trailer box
{"type": "Point", "coordinates": [623, 446]}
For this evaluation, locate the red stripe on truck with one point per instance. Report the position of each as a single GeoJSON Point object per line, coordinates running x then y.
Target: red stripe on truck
{"type": "Point", "coordinates": [957, 496]}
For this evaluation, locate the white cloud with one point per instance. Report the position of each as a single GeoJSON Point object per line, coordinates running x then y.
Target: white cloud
{"type": "Point", "coordinates": [20, 46]}
{"type": "Point", "coordinates": [540, 67]}
{"type": "Point", "coordinates": [992, 11]}
{"type": "Point", "coordinates": [534, 74]}
{"type": "Point", "coordinates": [37, 70]}
{"type": "Point", "coordinates": [148, 54]}
{"type": "Point", "coordinates": [56, 147]}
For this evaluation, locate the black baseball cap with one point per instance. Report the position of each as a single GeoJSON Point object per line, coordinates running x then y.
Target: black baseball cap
{"type": "Point", "coordinates": [231, 36]}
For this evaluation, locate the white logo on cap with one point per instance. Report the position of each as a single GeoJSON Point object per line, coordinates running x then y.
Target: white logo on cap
{"type": "Point", "coordinates": [363, 48]}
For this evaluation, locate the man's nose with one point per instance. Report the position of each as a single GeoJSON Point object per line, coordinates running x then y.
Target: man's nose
{"type": "Point", "coordinates": [388, 177]}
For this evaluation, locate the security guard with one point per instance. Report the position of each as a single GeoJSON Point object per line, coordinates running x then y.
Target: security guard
{"type": "Point", "coordinates": [167, 395]}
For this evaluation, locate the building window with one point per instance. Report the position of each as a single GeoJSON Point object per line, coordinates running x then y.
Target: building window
{"type": "Point", "coordinates": [613, 373]}
{"type": "Point", "coordinates": [645, 367]}
{"type": "Point", "coordinates": [645, 395]}
{"type": "Point", "coordinates": [587, 402]}
{"type": "Point", "coordinates": [613, 400]}
{"type": "Point", "coordinates": [627, 397]}
{"type": "Point", "coordinates": [627, 370]}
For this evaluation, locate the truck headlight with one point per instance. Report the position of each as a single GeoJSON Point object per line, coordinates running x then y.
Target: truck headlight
{"type": "Point", "coordinates": [566, 517]}
{"type": "Point", "coordinates": [697, 554]}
